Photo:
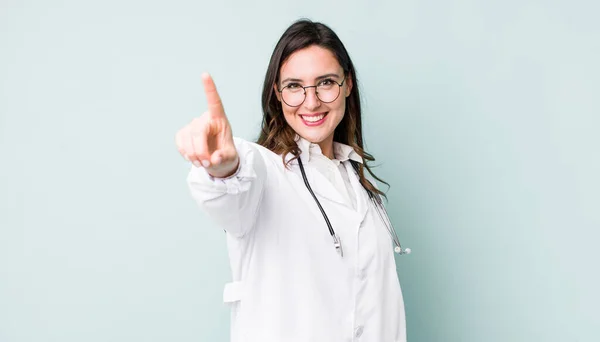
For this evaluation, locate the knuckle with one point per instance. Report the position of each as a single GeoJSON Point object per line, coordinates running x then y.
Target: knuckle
{"type": "Point", "coordinates": [180, 135]}
{"type": "Point", "coordinates": [196, 124]}
{"type": "Point", "coordinates": [196, 131]}
{"type": "Point", "coordinates": [180, 141]}
{"type": "Point", "coordinates": [184, 131]}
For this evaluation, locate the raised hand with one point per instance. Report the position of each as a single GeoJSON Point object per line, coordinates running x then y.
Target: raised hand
{"type": "Point", "coordinates": [207, 141]}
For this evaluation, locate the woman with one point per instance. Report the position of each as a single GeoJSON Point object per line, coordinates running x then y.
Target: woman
{"type": "Point", "coordinates": [299, 275]}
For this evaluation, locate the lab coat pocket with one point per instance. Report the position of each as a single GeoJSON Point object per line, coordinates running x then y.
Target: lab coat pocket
{"type": "Point", "coordinates": [233, 292]}
{"type": "Point", "coordinates": [232, 295]}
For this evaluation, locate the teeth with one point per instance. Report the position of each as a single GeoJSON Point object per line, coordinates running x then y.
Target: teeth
{"type": "Point", "coordinates": [313, 118]}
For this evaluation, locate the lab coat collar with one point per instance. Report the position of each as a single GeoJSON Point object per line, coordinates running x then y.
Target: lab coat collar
{"type": "Point", "coordinates": [342, 152]}
{"type": "Point", "coordinates": [319, 184]}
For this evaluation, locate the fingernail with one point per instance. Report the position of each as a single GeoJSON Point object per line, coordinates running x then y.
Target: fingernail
{"type": "Point", "coordinates": [205, 163]}
{"type": "Point", "coordinates": [186, 157]}
{"type": "Point", "coordinates": [196, 163]}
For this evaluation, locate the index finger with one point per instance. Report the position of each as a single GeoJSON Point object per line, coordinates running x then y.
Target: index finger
{"type": "Point", "coordinates": [215, 106]}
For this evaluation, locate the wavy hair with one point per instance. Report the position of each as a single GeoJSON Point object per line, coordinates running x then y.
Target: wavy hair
{"type": "Point", "coordinates": [276, 135]}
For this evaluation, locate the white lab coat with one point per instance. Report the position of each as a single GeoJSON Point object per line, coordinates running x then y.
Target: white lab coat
{"type": "Point", "coordinates": [289, 283]}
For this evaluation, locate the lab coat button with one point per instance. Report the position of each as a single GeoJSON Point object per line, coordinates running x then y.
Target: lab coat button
{"type": "Point", "coordinates": [361, 275]}
{"type": "Point", "coordinates": [358, 332]}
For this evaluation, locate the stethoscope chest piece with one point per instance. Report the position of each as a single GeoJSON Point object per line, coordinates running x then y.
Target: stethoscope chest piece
{"type": "Point", "coordinates": [338, 245]}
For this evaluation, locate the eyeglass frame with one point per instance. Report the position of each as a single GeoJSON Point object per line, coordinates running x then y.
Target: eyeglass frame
{"type": "Point", "coordinates": [316, 92]}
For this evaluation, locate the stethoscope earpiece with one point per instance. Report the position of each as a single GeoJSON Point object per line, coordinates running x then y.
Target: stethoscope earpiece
{"type": "Point", "coordinates": [399, 250]}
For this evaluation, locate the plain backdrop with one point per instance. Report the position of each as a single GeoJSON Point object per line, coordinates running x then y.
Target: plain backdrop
{"type": "Point", "coordinates": [484, 116]}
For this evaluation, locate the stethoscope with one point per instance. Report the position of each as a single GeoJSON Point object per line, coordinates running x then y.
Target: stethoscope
{"type": "Point", "coordinates": [378, 205]}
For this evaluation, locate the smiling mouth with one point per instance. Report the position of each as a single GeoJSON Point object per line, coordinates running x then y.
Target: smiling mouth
{"type": "Point", "coordinates": [314, 119]}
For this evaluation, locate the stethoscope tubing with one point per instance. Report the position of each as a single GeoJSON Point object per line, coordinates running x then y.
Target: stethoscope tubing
{"type": "Point", "coordinates": [378, 203]}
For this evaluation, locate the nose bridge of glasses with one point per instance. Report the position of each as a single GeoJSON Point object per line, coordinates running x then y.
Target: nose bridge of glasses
{"type": "Point", "coordinates": [312, 86]}
{"type": "Point", "coordinates": [316, 91]}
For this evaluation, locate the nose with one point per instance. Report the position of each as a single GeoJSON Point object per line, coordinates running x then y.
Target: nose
{"type": "Point", "coordinates": [311, 102]}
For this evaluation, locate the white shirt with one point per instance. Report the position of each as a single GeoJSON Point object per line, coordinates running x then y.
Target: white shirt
{"type": "Point", "coordinates": [333, 169]}
{"type": "Point", "coordinates": [289, 283]}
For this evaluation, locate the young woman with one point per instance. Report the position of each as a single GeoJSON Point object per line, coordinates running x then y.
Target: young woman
{"type": "Point", "coordinates": [310, 245]}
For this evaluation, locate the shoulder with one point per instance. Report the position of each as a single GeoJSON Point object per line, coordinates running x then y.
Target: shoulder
{"type": "Point", "coordinates": [271, 158]}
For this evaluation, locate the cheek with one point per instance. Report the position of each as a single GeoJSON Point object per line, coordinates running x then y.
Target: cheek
{"type": "Point", "coordinates": [339, 105]}
{"type": "Point", "coordinates": [289, 113]}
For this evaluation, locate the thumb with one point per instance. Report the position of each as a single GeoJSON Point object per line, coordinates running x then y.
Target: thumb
{"type": "Point", "coordinates": [225, 155]}
{"type": "Point", "coordinates": [216, 158]}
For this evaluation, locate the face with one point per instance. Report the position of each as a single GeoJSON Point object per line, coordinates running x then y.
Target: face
{"type": "Point", "coordinates": [314, 119]}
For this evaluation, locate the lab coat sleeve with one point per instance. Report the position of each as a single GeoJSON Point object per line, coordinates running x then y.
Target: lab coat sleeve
{"type": "Point", "coordinates": [232, 202]}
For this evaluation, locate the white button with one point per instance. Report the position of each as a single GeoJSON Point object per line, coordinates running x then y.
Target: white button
{"type": "Point", "coordinates": [358, 332]}
{"type": "Point", "coordinates": [361, 275]}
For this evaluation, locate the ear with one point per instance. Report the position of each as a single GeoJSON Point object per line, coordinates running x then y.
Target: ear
{"type": "Point", "coordinates": [276, 90]}
{"type": "Point", "coordinates": [349, 85]}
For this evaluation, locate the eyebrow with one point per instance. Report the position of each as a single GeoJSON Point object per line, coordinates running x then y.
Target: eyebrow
{"type": "Point", "coordinates": [289, 79]}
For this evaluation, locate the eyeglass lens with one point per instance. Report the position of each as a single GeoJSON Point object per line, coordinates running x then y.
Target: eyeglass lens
{"type": "Point", "coordinates": [326, 91]}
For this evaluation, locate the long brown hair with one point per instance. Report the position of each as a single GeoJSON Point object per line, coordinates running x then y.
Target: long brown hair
{"type": "Point", "coordinates": [276, 135]}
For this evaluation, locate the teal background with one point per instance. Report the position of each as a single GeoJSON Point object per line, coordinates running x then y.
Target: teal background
{"type": "Point", "coordinates": [483, 115]}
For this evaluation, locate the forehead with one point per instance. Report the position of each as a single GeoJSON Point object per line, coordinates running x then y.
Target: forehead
{"type": "Point", "coordinates": [309, 63]}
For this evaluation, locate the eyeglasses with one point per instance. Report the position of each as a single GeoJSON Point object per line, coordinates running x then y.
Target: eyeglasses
{"type": "Point", "coordinates": [327, 91]}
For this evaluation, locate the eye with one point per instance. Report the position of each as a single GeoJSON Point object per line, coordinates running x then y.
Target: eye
{"type": "Point", "coordinates": [293, 86]}
{"type": "Point", "coordinates": [326, 82]}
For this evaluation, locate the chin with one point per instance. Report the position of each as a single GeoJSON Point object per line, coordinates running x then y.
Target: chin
{"type": "Point", "coordinates": [314, 137]}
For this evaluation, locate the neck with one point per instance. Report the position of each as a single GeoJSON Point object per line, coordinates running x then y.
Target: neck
{"type": "Point", "coordinates": [327, 147]}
